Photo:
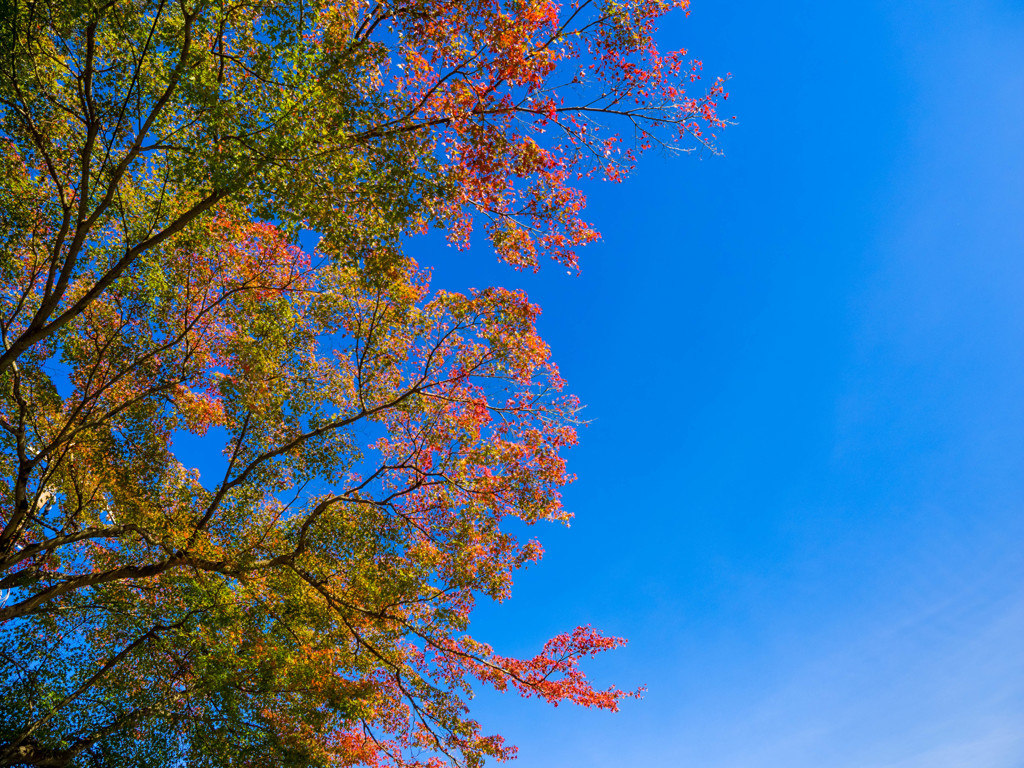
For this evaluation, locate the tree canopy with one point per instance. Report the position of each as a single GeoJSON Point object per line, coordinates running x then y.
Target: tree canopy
{"type": "Point", "coordinates": [305, 600]}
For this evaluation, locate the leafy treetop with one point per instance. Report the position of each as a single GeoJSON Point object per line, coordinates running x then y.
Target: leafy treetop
{"type": "Point", "coordinates": [305, 600]}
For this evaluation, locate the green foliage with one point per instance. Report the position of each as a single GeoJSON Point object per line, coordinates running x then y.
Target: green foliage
{"type": "Point", "coordinates": [305, 600]}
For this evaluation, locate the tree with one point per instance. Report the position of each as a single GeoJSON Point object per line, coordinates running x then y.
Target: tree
{"type": "Point", "coordinates": [308, 603]}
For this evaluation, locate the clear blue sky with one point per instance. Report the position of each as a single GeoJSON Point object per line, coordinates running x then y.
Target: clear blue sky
{"type": "Point", "coordinates": [802, 493]}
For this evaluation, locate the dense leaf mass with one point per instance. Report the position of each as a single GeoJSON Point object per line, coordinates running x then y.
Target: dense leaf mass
{"type": "Point", "coordinates": [304, 599]}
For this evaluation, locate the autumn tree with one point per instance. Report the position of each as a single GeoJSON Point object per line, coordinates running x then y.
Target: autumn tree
{"type": "Point", "coordinates": [304, 600]}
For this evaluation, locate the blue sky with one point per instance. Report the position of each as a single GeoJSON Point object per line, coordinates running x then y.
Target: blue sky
{"type": "Point", "coordinates": [801, 496]}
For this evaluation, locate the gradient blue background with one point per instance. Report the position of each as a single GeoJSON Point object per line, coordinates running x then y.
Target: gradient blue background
{"type": "Point", "coordinates": [801, 496]}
